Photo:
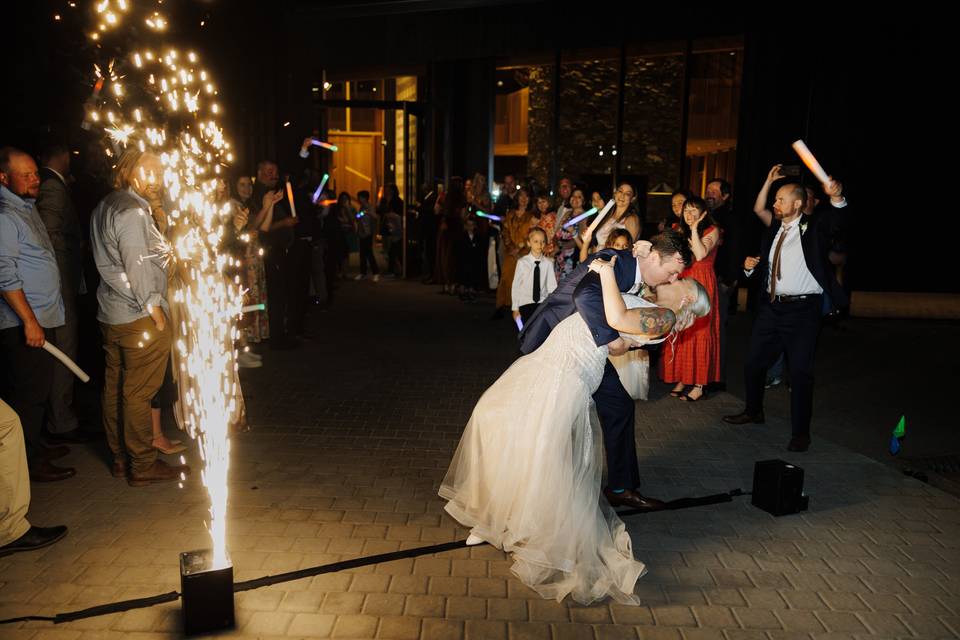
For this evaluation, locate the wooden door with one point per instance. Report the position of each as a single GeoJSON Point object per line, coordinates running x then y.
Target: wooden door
{"type": "Point", "coordinates": [357, 164]}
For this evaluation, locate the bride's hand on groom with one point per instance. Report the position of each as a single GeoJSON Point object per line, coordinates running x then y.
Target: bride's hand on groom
{"type": "Point", "coordinates": [684, 319]}
{"type": "Point", "coordinates": [641, 248]}
{"type": "Point", "coordinates": [600, 264]}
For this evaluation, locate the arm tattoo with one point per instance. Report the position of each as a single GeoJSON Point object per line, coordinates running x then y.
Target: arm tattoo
{"type": "Point", "coordinates": [655, 321]}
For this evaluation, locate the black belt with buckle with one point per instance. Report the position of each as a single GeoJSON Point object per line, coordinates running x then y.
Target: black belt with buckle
{"type": "Point", "coordinates": [806, 296]}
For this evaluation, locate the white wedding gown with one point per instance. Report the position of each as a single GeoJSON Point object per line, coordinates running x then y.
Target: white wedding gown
{"type": "Point", "coordinates": [526, 476]}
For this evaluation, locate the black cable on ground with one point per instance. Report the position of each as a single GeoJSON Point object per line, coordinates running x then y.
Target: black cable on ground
{"type": "Point", "coordinates": [139, 603]}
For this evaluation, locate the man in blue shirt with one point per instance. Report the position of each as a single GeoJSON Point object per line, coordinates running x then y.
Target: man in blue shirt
{"type": "Point", "coordinates": [31, 306]}
{"type": "Point", "coordinates": [133, 316]}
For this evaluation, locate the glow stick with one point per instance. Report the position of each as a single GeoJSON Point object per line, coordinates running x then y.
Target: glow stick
{"type": "Point", "coordinates": [316, 194]}
{"type": "Point", "coordinates": [603, 212]}
{"type": "Point", "coordinates": [325, 145]}
{"type": "Point", "coordinates": [293, 207]}
{"type": "Point", "coordinates": [489, 215]}
{"type": "Point", "coordinates": [585, 214]}
{"type": "Point", "coordinates": [808, 159]}
{"type": "Point", "coordinates": [67, 362]}
{"type": "Point", "coordinates": [359, 215]}
{"type": "Point", "coordinates": [519, 322]}
{"type": "Point", "coordinates": [253, 307]}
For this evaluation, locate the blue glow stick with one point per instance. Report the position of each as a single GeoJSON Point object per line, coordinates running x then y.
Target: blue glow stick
{"type": "Point", "coordinates": [316, 194]}
{"type": "Point", "coordinates": [359, 215]}
{"type": "Point", "coordinates": [489, 215]}
{"type": "Point", "coordinates": [585, 214]}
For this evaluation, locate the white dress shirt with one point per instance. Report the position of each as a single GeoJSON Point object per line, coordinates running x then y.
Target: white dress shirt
{"type": "Point", "coordinates": [796, 278]}
{"type": "Point", "coordinates": [637, 280]}
{"type": "Point", "coordinates": [522, 291]}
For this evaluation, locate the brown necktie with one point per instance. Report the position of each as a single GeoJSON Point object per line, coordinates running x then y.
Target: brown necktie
{"type": "Point", "coordinates": [775, 273]}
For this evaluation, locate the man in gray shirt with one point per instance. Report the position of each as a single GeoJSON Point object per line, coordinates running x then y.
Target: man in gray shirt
{"type": "Point", "coordinates": [30, 308]}
{"type": "Point", "coordinates": [133, 316]}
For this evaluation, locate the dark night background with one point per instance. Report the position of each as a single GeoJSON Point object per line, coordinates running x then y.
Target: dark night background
{"type": "Point", "coordinates": [867, 92]}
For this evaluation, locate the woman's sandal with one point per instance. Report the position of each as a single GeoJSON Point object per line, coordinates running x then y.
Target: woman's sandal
{"type": "Point", "coordinates": [678, 394]}
{"type": "Point", "coordinates": [686, 396]}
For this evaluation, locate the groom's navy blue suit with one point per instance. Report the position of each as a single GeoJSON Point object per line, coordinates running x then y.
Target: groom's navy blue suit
{"type": "Point", "coordinates": [581, 292]}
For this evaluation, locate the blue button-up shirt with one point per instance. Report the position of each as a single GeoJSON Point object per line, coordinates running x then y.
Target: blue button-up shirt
{"type": "Point", "coordinates": [27, 262]}
{"type": "Point", "coordinates": [124, 240]}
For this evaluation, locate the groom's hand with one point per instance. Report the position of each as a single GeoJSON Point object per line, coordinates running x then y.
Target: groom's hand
{"type": "Point", "coordinates": [618, 347]}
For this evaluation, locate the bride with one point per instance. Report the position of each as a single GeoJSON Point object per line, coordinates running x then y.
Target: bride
{"type": "Point", "coordinates": [526, 474]}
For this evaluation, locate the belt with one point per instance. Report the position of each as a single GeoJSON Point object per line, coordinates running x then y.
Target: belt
{"type": "Point", "coordinates": [806, 296]}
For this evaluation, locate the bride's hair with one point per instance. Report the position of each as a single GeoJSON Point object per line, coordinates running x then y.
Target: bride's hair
{"type": "Point", "coordinates": [700, 306]}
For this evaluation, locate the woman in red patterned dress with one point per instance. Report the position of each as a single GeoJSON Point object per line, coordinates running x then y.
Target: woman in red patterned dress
{"type": "Point", "coordinates": [694, 360]}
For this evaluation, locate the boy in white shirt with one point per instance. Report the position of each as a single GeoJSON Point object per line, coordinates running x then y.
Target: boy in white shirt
{"type": "Point", "coordinates": [534, 279]}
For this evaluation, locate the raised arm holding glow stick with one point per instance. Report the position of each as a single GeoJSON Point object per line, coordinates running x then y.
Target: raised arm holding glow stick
{"type": "Point", "coordinates": [808, 159]}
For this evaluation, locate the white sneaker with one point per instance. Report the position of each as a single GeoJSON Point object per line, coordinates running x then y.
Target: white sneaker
{"type": "Point", "coordinates": [246, 361]}
{"type": "Point", "coordinates": [358, 277]}
{"type": "Point", "coordinates": [376, 278]}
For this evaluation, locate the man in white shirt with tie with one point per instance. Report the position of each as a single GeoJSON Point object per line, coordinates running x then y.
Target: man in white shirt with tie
{"type": "Point", "coordinates": [534, 278]}
{"type": "Point", "coordinates": [798, 284]}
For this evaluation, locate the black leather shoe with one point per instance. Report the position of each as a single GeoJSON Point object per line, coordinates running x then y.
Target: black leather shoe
{"type": "Point", "coordinates": [799, 443]}
{"type": "Point", "coordinates": [633, 499]}
{"type": "Point", "coordinates": [75, 436]}
{"type": "Point", "coordinates": [44, 471]}
{"type": "Point", "coordinates": [745, 418]}
{"type": "Point", "coordinates": [34, 538]}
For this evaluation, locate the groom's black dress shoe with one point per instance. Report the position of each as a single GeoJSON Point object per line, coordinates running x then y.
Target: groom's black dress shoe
{"type": "Point", "coordinates": [745, 418]}
{"type": "Point", "coordinates": [34, 538]}
{"type": "Point", "coordinates": [799, 443]}
{"type": "Point", "coordinates": [634, 500]}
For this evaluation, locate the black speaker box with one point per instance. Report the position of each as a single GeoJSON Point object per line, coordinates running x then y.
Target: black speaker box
{"type": "Point", "coordinates": [778, 487]}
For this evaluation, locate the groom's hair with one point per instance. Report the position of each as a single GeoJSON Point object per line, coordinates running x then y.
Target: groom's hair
{"type": "Point", "coordinates": [671, 242]}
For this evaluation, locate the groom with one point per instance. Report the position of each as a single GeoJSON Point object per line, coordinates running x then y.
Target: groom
{"type": "Point", "coordinates": [649, 264]}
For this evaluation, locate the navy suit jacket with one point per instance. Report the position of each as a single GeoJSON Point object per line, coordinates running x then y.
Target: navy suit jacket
{"type": "Point", "coordinates": [816, 242]}
{"type": "Point", "coordinates": [580, 291]}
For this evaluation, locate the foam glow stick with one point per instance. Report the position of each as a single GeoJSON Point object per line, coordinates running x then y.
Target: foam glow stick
{"type": "Point", "coordinates": [305, 151]}
{"type": "Point", "coordinates": [316, 194]}
{"type": "Point", "coordinates": [253, 307]}
{"type": "Point", "coordinates": [603, 212]}
{"type": "Point", "coordinates": [293, 207]}
{"type": "Point", "coordinates": [325, 145]}
{"type": "Point", "coordinates": [67, 362]}
{"type": "Point", "coordinates": [585, 214]}
{"type": "Point", "coordinates": [489, 215]}
{"type": "Point", "coordinates": [808, 159]}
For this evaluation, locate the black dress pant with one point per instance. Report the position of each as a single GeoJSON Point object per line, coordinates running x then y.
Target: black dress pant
{"type": "Point", "coordinates": [27, 377]}
{"type": "Point", "coordinates": [300, 279]}
{"type": "Point", "coordinates": [617, 411]}
{"type": "Point", "coordinates": [791, 328]}
{"type": "Point", "coordinates": [278, 265]}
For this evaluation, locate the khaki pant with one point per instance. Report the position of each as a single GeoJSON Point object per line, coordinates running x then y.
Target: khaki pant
{"type": "Point", "coordinates": [14, 477]}
{"type": "Point", "coordinates": [134, 373]}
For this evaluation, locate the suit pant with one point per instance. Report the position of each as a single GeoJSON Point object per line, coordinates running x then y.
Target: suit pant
{"type": "Point", "coordinates": [791, 328]}
{"type": "Point", "coordinates": [279, 268]}
{"type": "Point", "coordinates": [617, 412]}
{"type": "Point", "coordinates": [61, 417]}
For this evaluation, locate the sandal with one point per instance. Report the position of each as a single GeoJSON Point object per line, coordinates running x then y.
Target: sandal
{"type": "Point", "coordinates": [678, 393]}
{"type": "Point", "coordinates": [703, 394]}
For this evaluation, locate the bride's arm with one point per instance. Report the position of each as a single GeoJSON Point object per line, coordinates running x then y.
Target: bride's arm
{"type": "Point", "coordinates": [645, 321]}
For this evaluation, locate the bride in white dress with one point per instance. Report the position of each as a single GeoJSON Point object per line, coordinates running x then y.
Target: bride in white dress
{"type": "Point", "coordinates": [526, 475]}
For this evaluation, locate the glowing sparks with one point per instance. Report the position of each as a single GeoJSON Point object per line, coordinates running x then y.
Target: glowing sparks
{"type": "Point", "coordinates": [163, 107]}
